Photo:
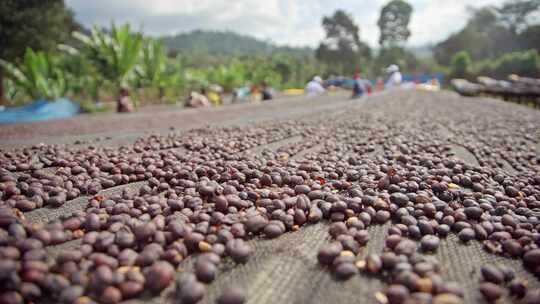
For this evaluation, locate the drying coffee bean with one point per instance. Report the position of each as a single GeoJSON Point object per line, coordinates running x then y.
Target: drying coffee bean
{"type": "Point", "coordinates": [531, 297]}
{"type": "Point", "coordinates": [111, 295]}
{"type": "Point", "coordinates": [466, 234]}
{"type": "Point", "coordinates": [490, 291]}
{"type": "Point", "coordinates": [345, 271]}
{"type": "Point", "coordinates": [337, 228]}
{"type": "Point", "coordinates": [329, 252]}
{"type": "Point", "coordinates": [30, 291]}
{"type": "Point", "coordinates": [429, 243]}
{"type": "Point", "coordinates": [517, 288]}
{"type": "Point", "coordinates": [71, 294]}
{"type": "Point", "coordinates": [256, 223]}
{"type": "Point", "coordinates": [443, 230]}
{"type": "Point", "coordinates": [531, 258]}
{"type": "Point", "coordinates": [315, 214]}
{"type": "Point", "coordinates": [188, 290]}
{"type": "Point", "coordinates": [272, 230]}
{"type": "Point", "coordinates": [205, 270]}
{"type": "Point", "coordinates": [373, 263]}
{"type": "Point", "coordinates": [397, 294]}
{"type": "Point", "coordinates": [492, 274]}
{"type": "Point", "coordinates": [159, 276]}
{"type": "Point", "coordinates": [238, 250]}
{"type": "Point", "coordinates": [130, 289]}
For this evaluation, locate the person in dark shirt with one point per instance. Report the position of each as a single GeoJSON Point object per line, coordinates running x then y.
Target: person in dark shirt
{"type": "Point", "coordinates": [361, 86]}
{"type": "Point", "coordinates": [266, 92]}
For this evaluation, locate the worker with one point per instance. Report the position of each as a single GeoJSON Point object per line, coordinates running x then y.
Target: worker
{"type": "Point", "coordinates": [394, 78]}
{"type": "Point", "coordinates": [124, 103]}
{"type": "Point", "coordinates": [214, 94]}
{"type": "Point", "coordinates": [266, 92]}
{"type": "Point", "coordinates": [315, 87]}
{"type": "Point", "coordinates": [198, 100]}
{"type": "Point", "coordinates": [255, 94]}
{"type": "Point", "coordinates": [360, 86]}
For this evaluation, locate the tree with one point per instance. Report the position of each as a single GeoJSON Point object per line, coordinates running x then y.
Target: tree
{"type": "Point", "coordinates": [530, 38]}
{"type": "Point", "coordinates": [461, 65]}
{"type": "Point", "coordinates": [38, 76]}
{"type": "Point", "coordinates": [342, 46]}
{"type": "Point", "coordinates": [37, 24]}
{"type": "Point", "coordinates": [393, 23]}
{"type": "Point", "coordinates": [483, 37]}
{"type": "Point", "coordinates": [396, 55]}
{"type": "Point", "coordinates": [514, 14]}
{"type": "Point", "coordinates": [152, 70]}
{"type": "Point", "coordinates": [115, 56]}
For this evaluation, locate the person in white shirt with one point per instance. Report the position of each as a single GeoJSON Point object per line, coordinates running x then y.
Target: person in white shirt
{"type": "Point", "coordinates": [394, 80]}
{"type": "Point", "coordinates": [314, 87]}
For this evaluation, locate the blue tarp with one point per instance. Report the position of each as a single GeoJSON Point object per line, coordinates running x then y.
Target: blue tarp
{"type": "Point", "coordinates": [424, 78]}
{"type": "Point", "coordinates": [40, 110]}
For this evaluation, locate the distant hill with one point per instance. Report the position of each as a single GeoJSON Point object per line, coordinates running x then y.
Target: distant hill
{"type": "Point", "coordinates": [225, 43]}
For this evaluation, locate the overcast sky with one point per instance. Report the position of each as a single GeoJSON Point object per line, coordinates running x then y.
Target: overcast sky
{"type": "Point", "coordinates": [292, 22]}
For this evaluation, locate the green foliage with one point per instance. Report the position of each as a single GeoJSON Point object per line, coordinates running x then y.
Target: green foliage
{"type": "Point", "coordinates": [38, 76]}
{"type": "Point", "coordinates": [394, 23]}
{"type": "Point", "coordinates": [396, 55]}
{"type": "Point", "coordinates": [260, 70]}
{"type": "Point", "coordinates": [84, 79]}
{"type": "Point", "coordinates": [530, 38]}
{"type": "Point", "coordinates": [90, 106]}
{"type": "Point", "coordinates": [228, 76]}
{"type": "Point", "coordinates": [461, 65]}
{"type": "Point", "coordinates": [342, 47]}
{"type": "Point", "coordinates": [11, 89]}
{"type": "Point", "coordinates": [151, 70]}
{"type": "Point", "coordinates": [114, 56]}
{"type": "Point", "coordinates": [36, 24]}
{"type": "Point", "coordinates": [525, 63]}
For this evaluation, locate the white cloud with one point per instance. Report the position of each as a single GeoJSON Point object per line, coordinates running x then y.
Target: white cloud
{"type": "Point", "coordinates": [294, 22]}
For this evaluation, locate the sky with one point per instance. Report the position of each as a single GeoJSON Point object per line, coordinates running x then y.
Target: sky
{"type": "Point", "coordinates": [285, 22]}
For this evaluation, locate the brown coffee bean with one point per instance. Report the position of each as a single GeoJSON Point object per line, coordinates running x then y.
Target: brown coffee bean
{"type": "Point", "coordinates": [447, 298]}
{"type": "Point", "coordinates": [70, 294]}
{"type": "Point", "coordinates": [238, 250]}
{"type": "Point", "coordinates": [429, 243]}
{"type": "Point", "coordinates": [466, 234]}
{"type": "Point", "coordinates": [188, 290]}
{"type": "Point", "coordinates": [329, 252]}
{"type": "Point", "coordinates": [205, 270]}
{"type": "Point", "coordinates": [345, 271]}
{"type": "Point", "coordinates": [490, 291]}
{"type": "Point", "coordinates": [159, 276]}
{"type": "Point", "coordinates": [111, 295]}
{"type": "Point", "coordinates": [492, 274]}
{"type": "Point", "coordinates": [130, 289]}
{"type": "Point", "coordinates": [517, 288]}
{"type": "Point", "coordinates": [373, 263]}
{"type": "Point", "coordinates": [397, 294]}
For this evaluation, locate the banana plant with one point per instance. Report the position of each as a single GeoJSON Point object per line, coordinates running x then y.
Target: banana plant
{"type": "Point", "coordinates": [229, 77]}
{"type": "Point", "coordinates": [37, 76]}
{"type": "Point", "coordinates": [83, 77]}
{"type": "Point", "coordinates": [11, 90]}
{"type": "Point", "coordinates": [151, 69]}
{"type": "Point", "coordinates": [115, 56]}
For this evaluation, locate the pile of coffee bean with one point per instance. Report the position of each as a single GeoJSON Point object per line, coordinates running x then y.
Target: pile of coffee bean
{"type": "Point", "coordinates": [206, 193]}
